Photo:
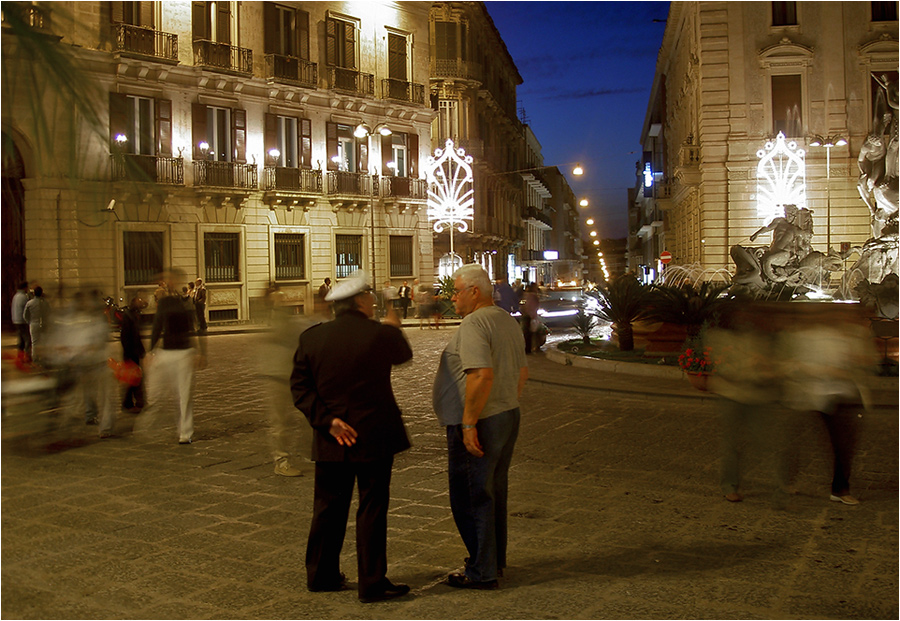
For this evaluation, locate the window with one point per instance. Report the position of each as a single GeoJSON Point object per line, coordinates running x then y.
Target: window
{"type": "Point", "coordinates": [221, 255]}
{"type": "Point", "coordinates": [290, 256]}
{"type": "Point", "coordinates": [884, 11]}
{"type": "Point", "coordinates": [143, 256]}
{"type": "Point", "coordinates": [345, 152]}
{"type": "Point", "coordinates": [450, 41]}
{"type": "Point", "coordinates": [292, 138]}
{"type": "Point", "coordinates": [784, 13]}
{"type": "Point", "coordinates": [145, 124]}
{"type": "Point", "coordinates": [399, 153]}
{"type": "Point", "coordinates": [787, 105]}
{"type": "Point", "coordinates": [286, 31]}
{"type": "Point", "coordinates": [448, 118]}
{"type": "Point", "coordinates": [222, 130]}
{"type": "Point", "coordinates": [211, 21]}
{"type": "Point", "coordinates": [132, 13]}
{"type": "Point", "coordinates": [401, 255]}
{"type": "Point", "coordinates": [398, 64]}
{"type": "Point", "coordinates": [348, 254]}
{"type": "Point", "coordinates": [340, 43]}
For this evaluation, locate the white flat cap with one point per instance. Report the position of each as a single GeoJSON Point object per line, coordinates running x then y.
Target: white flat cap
{"type": "Point", "coordinates": [354, 284]}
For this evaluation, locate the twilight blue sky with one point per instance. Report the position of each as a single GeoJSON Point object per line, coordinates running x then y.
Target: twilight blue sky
{"type": "Point", "coordinates": [587, 70]}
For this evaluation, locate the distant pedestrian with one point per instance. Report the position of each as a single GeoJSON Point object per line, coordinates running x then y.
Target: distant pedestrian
{"type": "Point", "coordinates": [342, 383]}
{"type": "Point", "coordinates": [424, 305]}
{"type": "Point", "coordinates": [23, 344]}
{"type": "Point", "coordinates": [133, 351]}
{"type": "Point", "coordinates": [476, 398]}
{"type": "Point", "coordinates": [321, 304]}
{"type": "Point", "coordinates": [388, 295]}
{"type": "Point", "coordinates": [174, 363]}
{"type": "Point", "coordinates": [200, 305]}
{"type": "Point", "coordinates": [505, 297]}
{"type": "Point", "coordinates": [37, 315]}
{"type": "Point", "coordinates": [530, 321]}
{"type": "Point", "coordinates": [404, 294]}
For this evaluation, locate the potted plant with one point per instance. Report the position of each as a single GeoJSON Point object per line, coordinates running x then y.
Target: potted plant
{"type": "Point", "coordinates": [621, 302]}
{"type": "Point", "coordinates": [446, 289]}
{"type": "Point", "coordinates": [698, 362]}
{"type": "Point", "coordinates": [681, 312]}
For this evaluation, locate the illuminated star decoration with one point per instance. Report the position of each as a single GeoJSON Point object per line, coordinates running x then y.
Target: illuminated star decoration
{"type": "Point", "coordinates": [450, 194]}
{"type": "Point", "coordinates": [780, 178]}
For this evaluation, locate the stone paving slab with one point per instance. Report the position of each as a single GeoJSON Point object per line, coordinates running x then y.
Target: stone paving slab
{"type": "Point", "coordinates": [614, 512]}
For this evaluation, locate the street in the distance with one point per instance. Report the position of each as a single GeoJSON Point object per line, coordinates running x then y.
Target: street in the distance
{"type": "Point", "coordinates": [615, 511]}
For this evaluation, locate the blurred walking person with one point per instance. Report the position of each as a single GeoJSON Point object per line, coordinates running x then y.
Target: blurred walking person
{"type": "Point", "coordinates": [23, 344]}
{"type": "Point", "coordinates": [37, 315]}
{"type": "Point", "coordinates": [133, 351]}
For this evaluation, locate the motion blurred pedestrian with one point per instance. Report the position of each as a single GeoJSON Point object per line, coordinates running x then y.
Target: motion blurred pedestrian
{"type": "Point", "coordinates": [200, 305]}
{"type": "Point", "coordinates": [342, 384]}
{"type": "Point", "coordinates": [23, 343]}
{"type": "Point", "coordinates": [37, 315]}
{"type": "Point", "coordinates": [133, 351]}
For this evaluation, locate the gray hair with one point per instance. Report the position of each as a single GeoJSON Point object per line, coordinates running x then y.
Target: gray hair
{"type": "Point", "coordinates": [473, 275]}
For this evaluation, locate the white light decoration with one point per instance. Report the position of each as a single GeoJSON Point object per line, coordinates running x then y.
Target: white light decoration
{"type": "Point", "coordinates": [648, 175]}
{"type": "Point", "coordinates": [451, 198]}
{"type": "Point", "coordinates": [780, 178]}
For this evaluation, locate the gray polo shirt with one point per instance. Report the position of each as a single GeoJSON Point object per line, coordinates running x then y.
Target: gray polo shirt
{"type": "Point", "coordinates": [487, 338]}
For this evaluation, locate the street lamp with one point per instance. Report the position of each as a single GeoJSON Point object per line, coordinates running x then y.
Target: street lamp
{"type": "Point", "coordinates": [589, 222]}
{"type": "Point", "coordinates": [829, 142]}
{"type": "Point", "coordinates": [584, 202]}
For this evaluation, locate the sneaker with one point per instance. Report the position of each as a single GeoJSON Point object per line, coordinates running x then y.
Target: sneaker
{"type": "Point", "coordinates": [847, 499]}
{"type": "Point", "coordinates": [285, 469]}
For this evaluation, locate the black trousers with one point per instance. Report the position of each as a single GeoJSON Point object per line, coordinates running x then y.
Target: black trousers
{"type": "Point", "coordinates": [331, 508]}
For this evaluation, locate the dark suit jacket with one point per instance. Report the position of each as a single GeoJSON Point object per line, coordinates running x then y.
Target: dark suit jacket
{"type": "Point", "coordinates": [342, 368]}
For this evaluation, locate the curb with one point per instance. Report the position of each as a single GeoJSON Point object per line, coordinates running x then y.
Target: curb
{"type": "Point", "coordinates": [611, 366]}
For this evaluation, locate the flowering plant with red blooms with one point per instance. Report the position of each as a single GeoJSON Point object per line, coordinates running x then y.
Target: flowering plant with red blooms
{"type": "Point", "coordinates": [697, 360]}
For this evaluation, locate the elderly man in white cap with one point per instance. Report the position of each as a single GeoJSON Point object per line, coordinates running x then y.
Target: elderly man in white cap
{"type": "Point", "coordinates": [342, 384]}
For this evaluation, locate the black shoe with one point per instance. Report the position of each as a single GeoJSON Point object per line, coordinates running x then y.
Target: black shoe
{"type": "Point", "coordinates": [461, 581]}
{"type": "Point", "coordinates": [390, 591]}
{"type": "Point", "coordinates": [339, 585]}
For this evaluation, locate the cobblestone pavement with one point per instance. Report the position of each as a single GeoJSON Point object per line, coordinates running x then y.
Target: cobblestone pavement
{"type": "Point", "coordinates": [615, 511]}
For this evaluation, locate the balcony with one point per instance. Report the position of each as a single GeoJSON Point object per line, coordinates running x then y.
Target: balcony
{"type": "Point", "coordinates": [292, 70]}
{"type": "Point", "coordinates": [351, 81]}
{"type": "Point", "coordinates": [687, 172]}
{"type": "Point", "coordinates": [349, 183]}
{"type": "Point", "coordinates": [145, 42]}
{"type": "Point", "coordinates": [455, 68]}
{"type": "Point", "coordinates": [147, 169]}
{"type": "Point", "coordinates": [292, 179]}
{"type": "Point", "coordinates": [532, 213]}
{"type": "Point", "coordinates": [225, 175]}
{"type": "Point", "coordinates": [223, 57]}
{"type": "Point", "coordinates": [404, 187]}
{"type": "Point", "coordinates": [398, 90]}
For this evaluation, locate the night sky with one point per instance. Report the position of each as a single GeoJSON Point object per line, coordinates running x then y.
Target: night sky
{"type": "Point", "coordinates": [587, 69]}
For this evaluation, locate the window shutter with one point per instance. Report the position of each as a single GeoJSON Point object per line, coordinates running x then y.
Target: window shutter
{"type": "Point", "coordinates": [200, 20]}
{"type": "Point", "coordinates": [223, 22]}
{"type": "Point", "coordinates": [270, 28]}
{"type": "Point", "coordinates": [412, 154]}
{"type": "Point", "coordinates": [303, 34]}
{"type": "Point", "coordinates": [305, 126]}
{"type": "Point", "coordinates": [362, 152]}
{"type": "Point", "coordinates": [397, 57]}
{"type": "Point", "coordinates": [270, 133]}
{"type": "Point", "coordinates": [118, 116]}
{"type": "Point", "coordinates": [349, 46]}
{"type": "Point", "coordinates": [198, 124]}
{"type": "Point", "coordinates": [146, 18]}
{"type": "Point", "coordinates": [117, 12]}
{"type": "Point", "coordinates": [239, 134]}
{"type": "Point", "coordinates": [331, 145]}
{"type": "Point", "coordinates": [463, 42]}
{"type": "Point", "coordinates": [330, 41]}
{"type": "Point", "coordinates": [386, 154]}
{"type": "Point", "coordinates": [164, 127]}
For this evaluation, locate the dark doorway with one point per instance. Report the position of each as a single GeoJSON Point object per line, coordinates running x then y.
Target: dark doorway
{"type": "Point", "coordinates": [13, 225]}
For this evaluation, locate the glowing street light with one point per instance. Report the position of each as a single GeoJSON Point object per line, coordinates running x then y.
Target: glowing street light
{"type": "Point", "coordinates": [596, 242]}
{"type": "Point", "coordinates": [829, 142]}
{"type": "Point", "coordinates": [589, 222]}
{"type": "Point", "coordinates": [584, 202]}
{"type": "Point", "coordinates": [593, 233]}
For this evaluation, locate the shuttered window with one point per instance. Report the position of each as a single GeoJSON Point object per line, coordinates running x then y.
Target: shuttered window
{"type": "Point", "coordinates": [397, 57]}
{"type": "Point", "coordinates": [340, 43]}
{"type": "Point", "coordinates": [143, 256]}
{"type": "Point", "coordinates": [290, 253]}
{"type": "Point", "coordinates": [348, 254]}
{"type": "Point", "coordinates": [401, 255]}
{"type": "Point", "coordinates": [445, 40]}
{"type": "Point", "coordinates": [222, 254]}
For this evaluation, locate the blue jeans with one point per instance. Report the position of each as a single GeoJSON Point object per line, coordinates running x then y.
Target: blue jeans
{"type": "Point", "coordinates": [479, 489]}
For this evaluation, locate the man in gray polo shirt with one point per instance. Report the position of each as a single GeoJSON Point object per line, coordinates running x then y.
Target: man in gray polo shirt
{"type": "Point", "coordinates": [476, 397]}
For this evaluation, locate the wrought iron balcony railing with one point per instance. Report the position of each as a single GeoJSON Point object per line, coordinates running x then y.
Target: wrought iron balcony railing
{"type": "Point", "coordinates": [292, 70]}
{"type": "Point", "coordinates": [404, 187]}
{"type": "Point", "coordinates": [349, 183]}
{"type": "Point", "coordinates": [292, 179]}
{"type": "Point", "coordinates": [147, 168]}
{"type": "Point", "coordinates": [351, 81]}
{"type": "Point", "coordinates": [455, 68]}
{"type": "Point", "coordinates": [399, 90]}
{"type": "Point", "coordinates": [225, 175]}
{"type": "Point", "coordinates": [145, 41]}
{"type": "Point", "coordinates": [214, 55]}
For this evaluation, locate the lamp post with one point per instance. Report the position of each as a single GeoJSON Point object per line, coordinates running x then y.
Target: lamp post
{"type": "Point", "coordinates": [829, 142]}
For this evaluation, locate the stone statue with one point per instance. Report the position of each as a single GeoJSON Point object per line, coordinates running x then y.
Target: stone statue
{"type": "Point", "coordinates": [788, 261]}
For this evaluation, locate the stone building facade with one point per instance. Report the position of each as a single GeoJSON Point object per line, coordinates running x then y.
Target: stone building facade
{"type": "Point", "coordinates": [730, 76]}
{"type": "Point", "coordinates": [251, 144]}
